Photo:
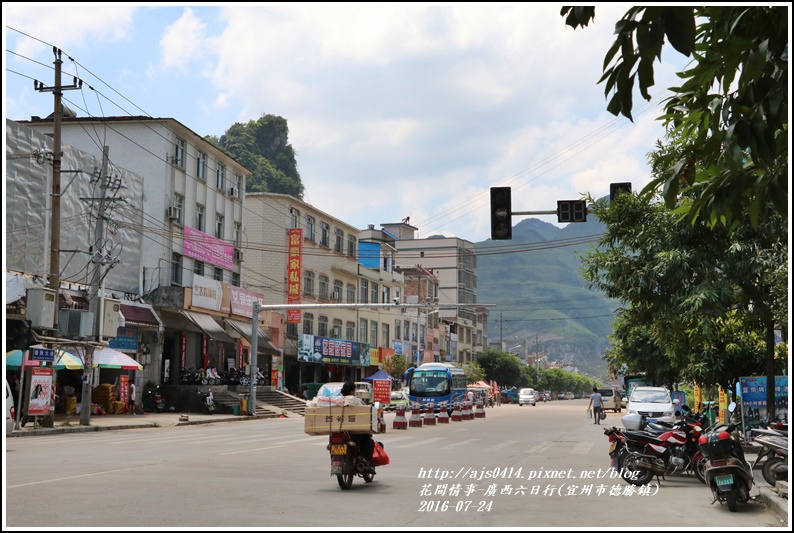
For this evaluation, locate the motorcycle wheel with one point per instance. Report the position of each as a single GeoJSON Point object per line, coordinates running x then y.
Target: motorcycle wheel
{"type": "Point", "coordinates": [633, 474]}
{"type": "Point", "coordinates": [345, 481]}
{"type": "Point", "coordinates": [700, 469]}
{"type": "Point", "coordinates": [768, 469]}
{"type": "Point", "coordinates": [730, 498]}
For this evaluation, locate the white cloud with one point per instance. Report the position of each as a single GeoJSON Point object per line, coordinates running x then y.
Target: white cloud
{"type": "Point", "coordinates": [183, 42]}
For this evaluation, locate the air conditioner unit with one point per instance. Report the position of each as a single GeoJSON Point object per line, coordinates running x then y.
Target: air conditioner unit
{"type": "Point", "coordinates": [238, 255]}
{"type": "Point", "coordinates": [337, 296]}
{"type": "Point", "coordinates": [233, 192]}
{"type": "Point", "coordinates": [74, 323]}
{"type": "Point", "coordinates": [336, 331]}
{"type": "Point", "coordinates": [172, 213]}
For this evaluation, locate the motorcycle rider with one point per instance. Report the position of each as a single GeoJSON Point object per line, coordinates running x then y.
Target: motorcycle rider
{"type": "Point", "coordinates": [364, 440]}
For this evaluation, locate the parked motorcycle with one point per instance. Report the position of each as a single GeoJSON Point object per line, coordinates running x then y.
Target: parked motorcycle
{"type": "Point", "coordinates": [728, 474]}
{"type": "Point", "coordinates": [347, 460]}
{"type": "Point", "coordinates": [642, 452]}
{"type": "Point", "coordinates": [773, 457]}
{"type": "Point", "coordinates": [260, 377]}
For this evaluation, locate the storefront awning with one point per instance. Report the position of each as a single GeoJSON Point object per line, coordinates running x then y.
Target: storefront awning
{"type": "Point", "coordinates": [139, 315]}
{"type": "Point", "coordinates": [263, 341]}
{"type": "Point", "coordinates": [208, 325]}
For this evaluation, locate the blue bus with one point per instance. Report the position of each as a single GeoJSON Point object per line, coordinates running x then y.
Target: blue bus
{"type": "Point", "coordinates": [434, 383]}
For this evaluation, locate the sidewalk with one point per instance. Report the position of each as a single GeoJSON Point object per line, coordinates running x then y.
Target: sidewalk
{"type": "Point", "coordinates": [71, 424]}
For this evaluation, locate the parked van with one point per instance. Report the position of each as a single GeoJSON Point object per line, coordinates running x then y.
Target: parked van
{"type": "Point", "coordinates": [611, 398]}
{"type": "Point", "coordinates": [526, 397]}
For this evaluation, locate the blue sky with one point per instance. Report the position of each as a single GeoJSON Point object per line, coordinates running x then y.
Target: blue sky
{"type": "Point", "coordinates": [394, 110]}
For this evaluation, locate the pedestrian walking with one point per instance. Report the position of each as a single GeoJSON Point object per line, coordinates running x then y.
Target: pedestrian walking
{"type": "Point", "coordinates": [597, 404]}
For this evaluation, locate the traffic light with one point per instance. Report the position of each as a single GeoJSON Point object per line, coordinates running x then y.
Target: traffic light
{"type": "Point", "coordinates": [617, 188]}
{"type": "Point", "coordinates": [501, 214]}
{"type": "Point", "coordinates": [571, 211]}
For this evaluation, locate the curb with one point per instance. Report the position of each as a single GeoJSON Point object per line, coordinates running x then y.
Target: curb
{"type": "Point", "coordinates": [775, 502]}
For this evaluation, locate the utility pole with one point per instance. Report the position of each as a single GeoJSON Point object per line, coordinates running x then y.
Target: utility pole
{"type": "Point", "coordinates": [54, 278]}
{"type": "Point", "coordinates": [501, 337]}
{"type": "Point", "coordinates": [252, 358]}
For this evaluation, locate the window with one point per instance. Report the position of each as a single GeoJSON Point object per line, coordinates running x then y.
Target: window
{"type": "Point", "coordinates": [179, 203]}
{"type": "Point", "coordinates": [339, 240]}
{"type": "Point", "coordinates": [350, 331]}
{"type": "Point", "coordinates": [413, 331]}
{"type": "Point", "coordinates": [201, 166]}
{"type": "Point", "coordinates": [237, 181]}
{"type": "Point", "coordinates": [218, 274]}
{"type": "Point", "coordinates": [200, 217]}
{"type": "Point", "coordinates": [236, 279]}
{"type": "Point", "coordinates": [176, 269]}
{"type": "Point", "coordinates": [337, 294]}
{"type": "Point", "coordinates": [220, 176]}
{"type": "Point", "coordinates": [351, 246]}
{"type": "Point", "coordinates": [294, 218]}
{"type": "Point", "coordinates": [310, 228]}
{"type": "Point", "coordinates": [179, 152]}
{"type": "Point", "coordinates": [198, 267]}
{"type": "Point", "coordinates": [238, 235]}
{"type": "Point", "coordinates": [218, 226]}
{"type": "Point", "coordinates": [351, 293]}
{"type": "Point", "coordinates": [325, 235]}
{"type": "Point", "coordinates": [386, 297]}
{"type": "Point", "coordinates": [322, 326]}
{"type": "Point", "coordinates": [292, 330]}
{"type": "Point", "coordinates": [323, 286]}
{"type": "Point", "coordinates": [308, 324]}
{"type": "Point", "coordinates": [364, 291]}
{"type": "Point", "coordinates": [397, 329]}
{"type": "Point", "coordinates": [384, 334]}
{"type": "Point", "coordinates": [407, 331]}
{"type": "Point", "coordinates": [373, 333]}
{"type": "Point", "coordinates": [308, 283]}
{"type": "Point", "coordinates": [373, 294]}
{"type": "Point", "coordinates": [336, 329]}
{"type": "Point", "coordinates": [362, 330]}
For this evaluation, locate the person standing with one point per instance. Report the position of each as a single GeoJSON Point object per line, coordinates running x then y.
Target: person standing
{"type": "Point", "coordinates": [131, 399]}
{"type": "Point", "coordinates": [597, 404]}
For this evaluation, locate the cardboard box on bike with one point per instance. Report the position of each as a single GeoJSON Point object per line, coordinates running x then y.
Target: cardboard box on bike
{"type": "Point", "coordinates": [330, 419]}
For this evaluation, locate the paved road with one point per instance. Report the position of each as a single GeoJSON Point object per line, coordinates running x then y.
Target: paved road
{"type": "Point", "coordinates": [551, 465]}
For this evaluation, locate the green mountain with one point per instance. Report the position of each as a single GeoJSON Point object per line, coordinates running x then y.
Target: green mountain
{"type": "Point", "coordinates": [540, 296]}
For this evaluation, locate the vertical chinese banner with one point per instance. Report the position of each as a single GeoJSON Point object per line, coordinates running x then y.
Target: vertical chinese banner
{"type": "Point", "coordinates": [205, 359]}
{"type": "Point", "coordinates": [184, 351]}
{"type": "Point", "coordinates": [698, 398]}
{"type": "Point", "coordinates": [124, 389]}
{"type": "Point", "coordinates": [723, 405]}
{"type": "Point", "coordinates": [40, 391]}
{"type": "Point", "coordinates": [381, 391]}
{"type": "Point", "coordinates": [294, 257]}
{"type": "Point", "coordinates": [274, 371]}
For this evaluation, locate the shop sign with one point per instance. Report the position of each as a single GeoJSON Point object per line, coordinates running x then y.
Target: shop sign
{"type": "Point", "coordinates": [243, 301]}
{"type": "Point", "coordinates": [207, 248]}
{"type": "Point", "coordinates": [210, 294]}
{"type": "Point", "coordinates": [294, 259]}
{"type": "Point", "coordinates": [329, 351]}
{"type": "Point", "coordinates": [381, 391]}
{"type": "Point", "coordinates": [126, 340]}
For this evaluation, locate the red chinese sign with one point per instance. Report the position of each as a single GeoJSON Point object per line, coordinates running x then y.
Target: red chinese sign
{"type": "Point", "coordinates": [294, 251]}
{"type": "Point", "coordinates": [381, 391]}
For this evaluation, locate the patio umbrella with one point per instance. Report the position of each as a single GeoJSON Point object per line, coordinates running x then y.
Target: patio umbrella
{"type": "Point", "coordinates": [61, 360]}
{"type": "Point", "coordinates": [110, 358]}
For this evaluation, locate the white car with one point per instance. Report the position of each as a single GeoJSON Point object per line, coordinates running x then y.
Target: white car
{"type": "Point", "coordinates": [526, 397]}
{"type": "Point", "coordinates": [654, 403]}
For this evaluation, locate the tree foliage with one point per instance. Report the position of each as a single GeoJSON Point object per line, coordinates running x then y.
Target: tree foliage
{"type": "Point", "coordinates": [733, 102]}
{"type": "Point", "coordinates": [697, 300]}
{"type": "Point", "coordinates": [263, 147]}
{"type": "Point", "coordinates": [473, 372]}
{"type": "Point", "coordinates": [396, 365]}
{"type": "Point", "coordinates": [504, 367]}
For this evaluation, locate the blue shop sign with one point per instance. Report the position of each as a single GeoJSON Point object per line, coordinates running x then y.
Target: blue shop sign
{"type": "Point", "coordinates": [126, 340]}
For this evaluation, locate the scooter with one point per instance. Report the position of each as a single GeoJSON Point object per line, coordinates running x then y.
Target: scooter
{"type": "Point", "coordinates": [728, 474]}
{"type": "Point", "coordinates": [347, 460]}
{"type": "Point", "coordinates": [773, 456]}
{"type": "Point", "coordinates": [209, 403]}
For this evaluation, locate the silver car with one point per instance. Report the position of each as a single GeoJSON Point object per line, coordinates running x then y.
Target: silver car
{"type": "Point", "coordinates": [526, 397]}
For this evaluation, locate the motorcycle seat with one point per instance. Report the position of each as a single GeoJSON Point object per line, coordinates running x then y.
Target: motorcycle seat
{"type": "Point", "coordinates": [643, 435]}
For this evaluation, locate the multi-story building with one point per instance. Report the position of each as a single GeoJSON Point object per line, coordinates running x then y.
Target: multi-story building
{"type": "Point", "coordinates": [190, 258]}
{"type": "Point", "coordinates": [454, 263]}
{"type": "Point", "coordinates": [299, 255]}
{"type": "Point", "coordinates": [422, 338]}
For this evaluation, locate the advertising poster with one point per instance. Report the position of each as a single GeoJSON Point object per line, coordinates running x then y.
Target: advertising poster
{"type": "Point", "coordinates": [754, 409]}
{"type": "Point", "coordinates": [723, 405]}
{"type": "Point", "coordinates": [381, 391]}
{"type": "Point", "coordinates": [40, 391]}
